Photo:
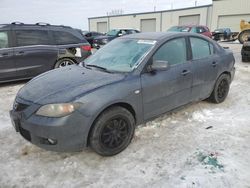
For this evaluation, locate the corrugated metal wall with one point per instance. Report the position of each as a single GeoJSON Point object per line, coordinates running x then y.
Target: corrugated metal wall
{"type": "Point", "coordinates": [228, 13]}
{"type": "Point", "coordinates": [223, 13]}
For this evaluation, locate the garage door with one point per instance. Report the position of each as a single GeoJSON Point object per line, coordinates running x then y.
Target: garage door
{"type": "Point", "coordinates": [148, 25]}
{"type": "Point", "coordinates": [188, 20]}
{"type": "Point", "coordinates": [232, 21]}
{"type": "Point", "coordinates": [102, 27]}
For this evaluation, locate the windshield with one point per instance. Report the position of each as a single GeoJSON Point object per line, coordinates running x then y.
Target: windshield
{"type": "Point", "coordinates": [121, 55]}
{"type": "Point", "coordinates": [179, 29]}
{"type": "Point", "coordinates": [112, 32]}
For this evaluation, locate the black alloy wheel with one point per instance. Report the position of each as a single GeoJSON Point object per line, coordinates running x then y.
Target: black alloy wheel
{"type": "Point", "coordinates": [112, 131]}
{"type": "Point", "coordinates": [221, 89]}
{"type": "Point", "coordinates": [115, 132]}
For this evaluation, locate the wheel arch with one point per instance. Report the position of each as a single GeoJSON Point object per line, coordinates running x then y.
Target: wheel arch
{"type": "Point", "coordinates": [225, 72]}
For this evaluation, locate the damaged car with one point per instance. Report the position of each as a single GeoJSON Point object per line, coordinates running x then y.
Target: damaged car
{"type": "Point", "coordinates": [126, 83]}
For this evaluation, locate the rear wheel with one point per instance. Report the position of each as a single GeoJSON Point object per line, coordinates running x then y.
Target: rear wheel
{"type": "Point", "coordinates": [64, 62]}
{"type": "Point", "coordinates": [221, 89]}
{"type": "Point", "coordinates": [112, 131]}
{"type": "Point", "coordinates": [245, 59]}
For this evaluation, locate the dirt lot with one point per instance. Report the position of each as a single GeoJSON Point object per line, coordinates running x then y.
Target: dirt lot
{"type": "Point", "coordinates": [202, 145]}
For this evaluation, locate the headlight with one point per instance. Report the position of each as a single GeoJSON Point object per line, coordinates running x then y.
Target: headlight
{"type": "Point", "coordinates": [58, 110]}
{"type": "Point", "coordinates": [105, 41]}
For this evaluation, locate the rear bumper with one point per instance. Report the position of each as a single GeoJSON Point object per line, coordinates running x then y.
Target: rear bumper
{"type": "Point", "coordinates": [66, 134]}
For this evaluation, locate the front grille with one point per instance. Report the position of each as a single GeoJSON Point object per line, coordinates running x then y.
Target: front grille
{"type": "Point", "coordinates": [20, 107]}
{"type": "Point", "coordinates": [25, 133]}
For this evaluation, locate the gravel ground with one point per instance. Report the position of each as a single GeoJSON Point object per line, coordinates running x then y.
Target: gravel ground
{"type": "Point", "coordinates": [201, 145]}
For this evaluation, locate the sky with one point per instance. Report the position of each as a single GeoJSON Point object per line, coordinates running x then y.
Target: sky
{"type": "Point", "coordinates": [75, 13]}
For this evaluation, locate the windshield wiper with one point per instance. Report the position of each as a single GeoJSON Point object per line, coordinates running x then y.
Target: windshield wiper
{"type": "Point", "coordinates": [99, 67]}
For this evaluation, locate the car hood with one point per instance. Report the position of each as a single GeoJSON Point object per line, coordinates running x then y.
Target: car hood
{"type": "Point", "coordinates": [65, 84]}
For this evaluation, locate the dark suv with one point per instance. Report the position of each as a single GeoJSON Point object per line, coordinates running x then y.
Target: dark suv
{"type": "Point", "coordinates": [112, 34]}
{"type": "Point", "coordinates": [27, 50]}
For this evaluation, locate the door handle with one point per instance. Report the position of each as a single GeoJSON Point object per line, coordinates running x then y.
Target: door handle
{"type": "Point", "coordinates": [19, 53]}
{"type": "Point", "coordinates": [214, 64]}
{"type": "Point", "coordinates": [185, 72]}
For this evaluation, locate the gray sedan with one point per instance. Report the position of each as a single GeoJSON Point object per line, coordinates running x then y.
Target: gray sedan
{"type": "Point", "coordinates": [127, 82]}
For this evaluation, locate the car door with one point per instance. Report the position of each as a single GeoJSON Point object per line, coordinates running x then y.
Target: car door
{"type": "Point", "coordinates": [7, 65]}
{"type": "Point", "coordinates": [205, 64]}
{"type": "Point", "coordinates": [33, 52]}
{"type": "Point", "coordinates": [165, 90]}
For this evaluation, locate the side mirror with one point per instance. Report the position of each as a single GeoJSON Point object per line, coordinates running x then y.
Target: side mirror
{"type": "Point", "coordinates": [158, 66]}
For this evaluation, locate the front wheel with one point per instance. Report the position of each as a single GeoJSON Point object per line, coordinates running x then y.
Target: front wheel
{"type": "Point", "coordinates": [221, 89]}
{"type": "Point", "coordinates": [64, 62]}
{"type": "Point", "coordinates": [112, 131]}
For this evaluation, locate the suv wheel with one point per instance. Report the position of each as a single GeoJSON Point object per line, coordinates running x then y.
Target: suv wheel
{"type": "Point", "coordinates": [244, 59]}
{"type": "Point", "coordinates": [64, 62]}
{"type": "Point", "coordinates": [112, 131]}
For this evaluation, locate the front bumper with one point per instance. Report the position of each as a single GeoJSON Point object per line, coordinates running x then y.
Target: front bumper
{"type": "Point", "coordinates": [66, 134]}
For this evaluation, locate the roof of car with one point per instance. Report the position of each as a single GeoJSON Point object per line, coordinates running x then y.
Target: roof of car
{"type": "Point", "coordinates": [190, 25]}
{"type": "Point", "coordinates": [124, 28]}
{"type": "Point", "coordinates": [157, 35]}
{"type": "Point", "coordinates": [36, 25]}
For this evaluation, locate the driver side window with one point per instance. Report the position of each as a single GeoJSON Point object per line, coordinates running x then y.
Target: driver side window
{"type": "Point", "coordinates": [173, 51]}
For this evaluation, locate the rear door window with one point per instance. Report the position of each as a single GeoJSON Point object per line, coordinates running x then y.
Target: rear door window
{"type": "Point", "coordinates": [200, 48]}
{"type": "Point", "coordinates": [63, 37]}
{"type": "Point", "coordinates": [173, 51]}
{"type": "Point", "coordinates": [4, 42]}
{"type": "Point", "coordinates": [32, 37]}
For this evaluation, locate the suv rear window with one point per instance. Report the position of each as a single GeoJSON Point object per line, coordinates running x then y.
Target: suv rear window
{"type": "Point", "coordinates": [4, 39]}
{"type": "Point", "coordinates": [63, 37]}
{"type": "Point", "coordinates": [32, 37]}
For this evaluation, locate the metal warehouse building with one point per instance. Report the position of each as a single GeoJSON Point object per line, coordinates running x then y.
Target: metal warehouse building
{"type": "Point", "coordinates": [222, 13]}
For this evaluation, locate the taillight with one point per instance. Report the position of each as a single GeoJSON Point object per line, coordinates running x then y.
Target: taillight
{"type": "Point", "coordinates": [86, 48]}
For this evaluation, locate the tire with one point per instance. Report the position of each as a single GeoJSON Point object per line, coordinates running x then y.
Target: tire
{"type": "Point", "coordinates": [221, 89]}
{"type": "Point", "coordinates": [244, 59]}
{"type": "Point", "coordinates": [64, 62]}
{"type": "Point", "coordinates": [112, 132]}
{"type": "Point", "coordinates": [243, 36]}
